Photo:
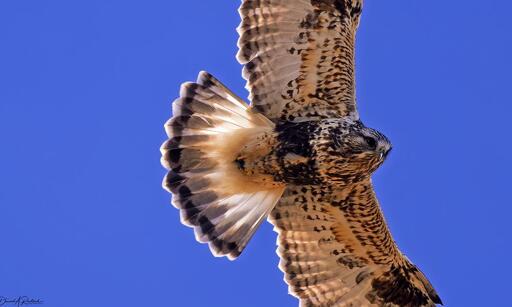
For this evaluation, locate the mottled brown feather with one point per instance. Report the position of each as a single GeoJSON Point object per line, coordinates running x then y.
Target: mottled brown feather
{"type": "Point", "coordinates": [336, 250]}
{"type": "Point", "coordinates": [299, 57]}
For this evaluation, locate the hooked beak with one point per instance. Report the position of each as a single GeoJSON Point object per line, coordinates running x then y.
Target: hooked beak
{"type": "Point", "coordinates": [384, 154]}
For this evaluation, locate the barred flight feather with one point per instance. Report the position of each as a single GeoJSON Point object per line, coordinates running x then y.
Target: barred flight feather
{"type": "Point", "coordinates": [222, 205]}
{"type": "Point", "coordinates": [335, 256]}
{"type": "Point", "coordinates": [298, 57]}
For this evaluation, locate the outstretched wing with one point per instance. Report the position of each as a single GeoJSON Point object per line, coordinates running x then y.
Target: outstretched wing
{"type": "Point", "coordinates": [336, 250]}
{"type": "Point", "coordinates": [299, 57]}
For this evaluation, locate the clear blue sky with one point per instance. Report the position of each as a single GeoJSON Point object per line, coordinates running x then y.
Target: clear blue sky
{"type": "Point", "coordinates": [85, 87]}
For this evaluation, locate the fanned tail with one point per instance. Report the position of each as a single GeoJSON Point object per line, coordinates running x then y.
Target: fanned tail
{"type": "Point", "coordinates": [209, 126]}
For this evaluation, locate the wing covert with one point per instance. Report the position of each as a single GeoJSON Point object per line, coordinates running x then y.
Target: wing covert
{"type": "Point", "coordinates": [299, 57]}
{"type": "Point", "coordinates": [336, 250]}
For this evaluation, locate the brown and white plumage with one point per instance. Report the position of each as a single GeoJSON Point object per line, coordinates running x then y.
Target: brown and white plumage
{"type": "Point", "coordinates": [204, 182]}
{"type": "Point", "coordinates": [336, 250]}
{"type": "Point", "coordinates": [298, 155]}
{"type": "Point", "coordinates": [299, 56]}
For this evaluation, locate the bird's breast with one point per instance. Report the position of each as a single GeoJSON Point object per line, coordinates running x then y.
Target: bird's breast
{"type": "Point", "coordinates": [295, 154]}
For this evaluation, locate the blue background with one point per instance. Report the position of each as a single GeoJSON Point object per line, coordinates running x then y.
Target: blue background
{"type": "Point", "coordinates": [85, 87]}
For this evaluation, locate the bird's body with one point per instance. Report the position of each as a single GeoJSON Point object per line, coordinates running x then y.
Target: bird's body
{"type": "Point", "coordinates": [299, 156]}
{"type": "Point", "coordinates": [336, 151]}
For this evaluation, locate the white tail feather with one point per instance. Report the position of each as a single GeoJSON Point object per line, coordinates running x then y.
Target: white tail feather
{"type": "Point", "coordinates": [208, 129]}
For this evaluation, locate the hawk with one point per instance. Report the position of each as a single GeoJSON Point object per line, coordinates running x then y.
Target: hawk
{"type": "Point", "coordinates": [298, 156]}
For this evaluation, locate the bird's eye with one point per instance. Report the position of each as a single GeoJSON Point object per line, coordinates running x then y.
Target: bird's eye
{"type": "Point", "coordinates": [372, 144]}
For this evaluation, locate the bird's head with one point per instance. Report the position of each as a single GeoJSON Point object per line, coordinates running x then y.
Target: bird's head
{"type": "Point", "coordinates": [351, 151]}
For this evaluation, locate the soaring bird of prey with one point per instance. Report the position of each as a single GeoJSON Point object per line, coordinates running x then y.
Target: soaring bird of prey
{"type": "Point", "coordinates": [298, 155]}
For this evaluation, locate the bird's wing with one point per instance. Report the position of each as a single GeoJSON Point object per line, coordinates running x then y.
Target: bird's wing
{"type": "Point", "coordinates": [336, 250]}
{"type": "Point", "coordinates": [299, 57]}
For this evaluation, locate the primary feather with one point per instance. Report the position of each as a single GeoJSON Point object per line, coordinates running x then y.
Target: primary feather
{"type": "Point", "coordinates": [299, 57]}
{"type": "Point", "coordinates": [336, 250]}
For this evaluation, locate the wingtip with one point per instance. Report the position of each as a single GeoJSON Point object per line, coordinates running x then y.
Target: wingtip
{"type": "Point", "coordinates": [437, 300]}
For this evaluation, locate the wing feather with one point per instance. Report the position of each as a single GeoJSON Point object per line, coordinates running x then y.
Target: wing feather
{"type": "Point", "coordinates": [299, 57]}
{"type": "Point", "coordinates": [336, 250]}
